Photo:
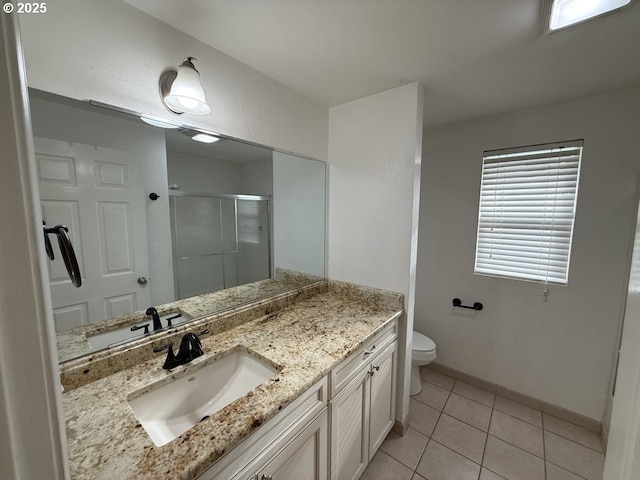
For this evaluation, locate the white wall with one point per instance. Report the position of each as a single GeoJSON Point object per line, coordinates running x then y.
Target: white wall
{"type": "Point", "coordinates": [203, 175]}
{"type": "Point", "coordinates": [374, 168]}
{"type": "Point", "coordinates": [298, 214]}
{"type": "Point", "coordinates": [147, 144]}
{"type": "Point", "coordinates": [257, 177]}
{"type": "Point", "coordinates": [111, 52]}
{"type": "Point", "coordinates": [623, 448]}
{"type": "Point", "coordinates": [560, 351]}
{"type": "Point", "coordinates": [32, 440]}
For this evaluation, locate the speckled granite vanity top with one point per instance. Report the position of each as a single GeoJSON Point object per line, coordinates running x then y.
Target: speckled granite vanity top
{"type": "Point", "coordinates": [307, 338]}
{"type": "Point", "coordinates": [73, 343]}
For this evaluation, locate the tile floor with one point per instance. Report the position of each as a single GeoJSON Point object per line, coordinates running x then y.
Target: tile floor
{"type": "Point", "coordinates": [458, 431]}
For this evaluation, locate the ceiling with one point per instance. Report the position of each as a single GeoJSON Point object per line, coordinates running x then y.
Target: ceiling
{"type": "Point", "coordinates": [473, 57]}
{"type": "Point", "coordinates": [179, 141]}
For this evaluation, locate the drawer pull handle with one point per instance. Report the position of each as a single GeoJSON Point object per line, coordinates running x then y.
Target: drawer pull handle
{"type": "Point", "coordinates": [267, 477]}
{"type": "Point", "coordinates": [369, 352]}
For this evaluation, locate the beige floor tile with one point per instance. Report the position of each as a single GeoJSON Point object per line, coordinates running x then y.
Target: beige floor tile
{"type": "Point", "coordinates": [422, 417]}
{"type": "Point", "coordinates": [556, 473]}
{"type": "Point", "coordinates": [518, 410]}
{"type": "Point", "coordinates": [474, 393]}
{"type": "Point", "coordinates": [407, 449]}
{"type": "Point", "coordinates": [572, 432]}
{"type": "Point", "coordinates": [573, 457]}
{"type": "Point", "coordinates": [517, 432]}
{"type": "Point", "coordinates": [383, 466]}
{"type": "Point", "coordinates": [432, 395]}
{"type": "Point", "coordinates": [489, 475]}
{"type": "Point", "coordinates": [437, 378]}
{"type": "Point", "coordinates": [469, 411]}
{"type": "Point", "coordinates": [460, 437]}
{"type": "Point", "coordinates": [442, 463]}
{"type": "Point", "coordinates": [417, 477]}
{"type": "Point", "coordinates": [512, 462]}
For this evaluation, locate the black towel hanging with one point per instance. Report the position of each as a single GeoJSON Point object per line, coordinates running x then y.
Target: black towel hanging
{"type": "Point", "coordinates": [66, 248]}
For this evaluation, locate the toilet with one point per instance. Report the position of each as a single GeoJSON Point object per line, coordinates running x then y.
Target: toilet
{"type": "Point", "coordinates": [423, 351]}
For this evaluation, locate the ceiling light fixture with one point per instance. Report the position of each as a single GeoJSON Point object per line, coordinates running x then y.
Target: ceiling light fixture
{"type": "Point", "coordinates": [569, 12]}
{"type": "Point", "coordinates": [157, 122]}
{"type": "Point", "coordinates": [181, 91]}
{"type": "Point", "coordinates": [204, 138]}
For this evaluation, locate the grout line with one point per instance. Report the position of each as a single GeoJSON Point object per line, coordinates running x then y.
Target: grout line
{"type": "Point", "coordinates": [544, 449]}
{"type": "Point", "coordinates": [572, 440]}
{"type": "Point", "coordinates": [564, 469]}
{"type": "Point", "coordinates": [520, 448]}
{"type": "Point", "coordinates": [455, 451]}
{"type": "Point", "coordinates": [496, 474]}
{"type": "Point", "coordinates": [486, 440]}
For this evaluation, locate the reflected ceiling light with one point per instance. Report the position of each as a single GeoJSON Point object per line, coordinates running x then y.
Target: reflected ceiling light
{"type": "Point", "coordinates": [570, 12]}
{"type": "Point", "coordinates": [157, 122]}
{"type": "Point", "coordinates": [204, 138]}
{"type": "Point", "coordinates": [181, 91]}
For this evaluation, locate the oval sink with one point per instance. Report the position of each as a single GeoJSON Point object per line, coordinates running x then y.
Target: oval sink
{"type": "Point", "coordinates": [169, 410]}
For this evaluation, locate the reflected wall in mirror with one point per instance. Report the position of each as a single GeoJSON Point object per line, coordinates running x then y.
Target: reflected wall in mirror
{"type": "Point", "coordinates": [231, 222]}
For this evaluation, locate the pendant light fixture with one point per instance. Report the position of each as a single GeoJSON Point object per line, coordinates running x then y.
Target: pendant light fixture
{"type": "Point", "coordinates": [181, 91]}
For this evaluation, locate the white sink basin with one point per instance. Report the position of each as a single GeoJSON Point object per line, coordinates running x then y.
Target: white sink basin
{"type": "Point", "coordinates": [124, 334]}
{"type": "Point", "coordinates": [171, 409]}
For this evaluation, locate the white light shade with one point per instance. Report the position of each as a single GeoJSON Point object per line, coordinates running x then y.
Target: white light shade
{"type": "Point", "coordinates": [186, 94]}
{"type": "Point", "coordinates": [204, 138]}
{"type": "Point", "coordinates": [569, 12]}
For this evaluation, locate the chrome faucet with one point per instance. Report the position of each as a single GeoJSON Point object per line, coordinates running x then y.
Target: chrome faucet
{"type": "Point", "coordinates": [157, 324]}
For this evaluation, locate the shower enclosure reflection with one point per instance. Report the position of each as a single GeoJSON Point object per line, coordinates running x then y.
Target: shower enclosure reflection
{"type": "Point", "coordinates": [218, 242]}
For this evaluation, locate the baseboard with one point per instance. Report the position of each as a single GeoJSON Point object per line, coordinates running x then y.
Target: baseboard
{"type": "Point", "coordinates": [567, 415]}
{"type": "Point", "coordinates": [401, 427]}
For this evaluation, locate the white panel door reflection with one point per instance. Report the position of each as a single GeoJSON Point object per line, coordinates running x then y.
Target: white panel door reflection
{"type": "Point", "coordinates": [92, 191]}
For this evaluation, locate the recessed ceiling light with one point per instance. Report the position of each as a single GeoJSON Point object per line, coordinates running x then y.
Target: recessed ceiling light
{"type": "Point", "coordinates": [569, 12]}
{"type": "Point", "coordinates": [157, 122]}
{"type": "Point", "coordinates": [204, 138]}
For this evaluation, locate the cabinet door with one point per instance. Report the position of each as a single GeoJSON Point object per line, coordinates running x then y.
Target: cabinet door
{"type": "Point", "coordinates": [304, 458]}
{"type": "Point", "coordinates": [350, 429]}
{"type": "Point", "coordinates": [383, 396]}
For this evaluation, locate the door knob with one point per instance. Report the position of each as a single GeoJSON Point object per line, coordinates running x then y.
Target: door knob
{"type": "Point", "coordinates": [143, 280]}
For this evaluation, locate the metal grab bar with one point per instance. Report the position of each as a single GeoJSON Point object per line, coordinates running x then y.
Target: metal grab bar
{"type": "Point", "coordinates": [66, 248]}
{"type": "Point", "coordinates": [476, 306]}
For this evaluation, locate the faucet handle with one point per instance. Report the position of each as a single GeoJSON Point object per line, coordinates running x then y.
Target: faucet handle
{"type": "Point", "coordinates": [163, 347]}
{"type": "Point", "coordinates": [139, 327]}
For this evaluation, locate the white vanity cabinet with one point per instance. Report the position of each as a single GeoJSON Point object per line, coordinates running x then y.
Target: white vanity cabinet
{"type": "Point", "coordinates": [292, 445]}
{"type": "Point", "coordinates": [347, 414]}
{"type": "Point", "coordinates": [303, 458]}
{"type": "Point", "coordinates": [362, 405]}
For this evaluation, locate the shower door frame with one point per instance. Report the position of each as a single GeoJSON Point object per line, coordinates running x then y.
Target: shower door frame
{"type": "Point", "coordinates": [221, 196]}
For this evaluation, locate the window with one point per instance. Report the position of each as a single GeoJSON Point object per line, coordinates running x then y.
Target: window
{"type": "Point", "coordinates": [527, 206]}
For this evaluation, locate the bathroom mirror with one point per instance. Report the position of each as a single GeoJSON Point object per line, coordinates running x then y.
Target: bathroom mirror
{"type": "Point", "coordinates": [160, 220]}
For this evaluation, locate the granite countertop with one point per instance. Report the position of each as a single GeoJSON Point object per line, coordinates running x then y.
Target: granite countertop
{"type": "Point", "coordinates": [307, 339]}
{"type": "Point", "coordinates": [73, 343]}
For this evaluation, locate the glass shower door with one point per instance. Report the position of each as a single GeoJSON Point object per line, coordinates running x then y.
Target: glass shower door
{"type": "Point", "coordinates": [218, 242]}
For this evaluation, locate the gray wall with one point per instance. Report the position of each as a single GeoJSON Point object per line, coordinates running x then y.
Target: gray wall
{"type": "Point", "coordinates": [562, 350]}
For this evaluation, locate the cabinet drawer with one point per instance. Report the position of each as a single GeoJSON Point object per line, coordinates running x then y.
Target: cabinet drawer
{"type": "Point", "coordinates": [343, 373]}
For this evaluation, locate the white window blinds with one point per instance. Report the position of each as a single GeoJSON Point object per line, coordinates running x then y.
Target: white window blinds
{"type": "Point", "coordinates": [527, 206]}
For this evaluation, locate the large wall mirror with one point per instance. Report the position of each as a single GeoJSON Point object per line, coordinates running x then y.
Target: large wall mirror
{"type": "Point", "coordinates": [160, 221]}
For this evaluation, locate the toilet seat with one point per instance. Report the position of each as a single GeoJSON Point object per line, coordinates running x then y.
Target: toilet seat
{"type": "Point", "coordinates": [422, 343]}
